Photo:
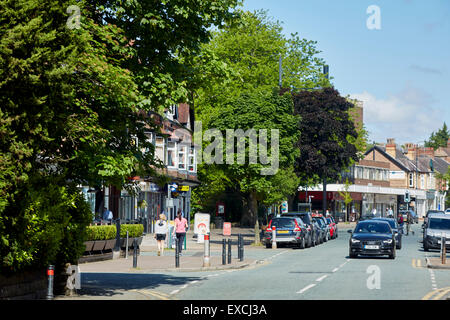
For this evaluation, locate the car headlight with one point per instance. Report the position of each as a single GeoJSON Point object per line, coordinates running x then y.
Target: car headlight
{"type": "Point", "coordinates": [355, 240]}
{"type": "Point", "coordinates": [389, 241]}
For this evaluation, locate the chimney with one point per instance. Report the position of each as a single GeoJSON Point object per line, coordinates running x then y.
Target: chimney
{"type": "Point", "coordinates": [391, 147]}
{"type": "Point", "coordinates": [426, 151]}
{"type": "Point", "coordinates": [411, 150]}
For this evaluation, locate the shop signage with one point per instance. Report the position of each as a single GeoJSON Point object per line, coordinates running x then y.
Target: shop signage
{"type": "Point", "coordinates": [183, 188]}
{"type": "Point", "coordinates": [397, 175]}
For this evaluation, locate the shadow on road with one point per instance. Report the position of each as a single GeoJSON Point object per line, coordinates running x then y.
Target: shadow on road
{"type": "Point", "coordinates": [108, 284]}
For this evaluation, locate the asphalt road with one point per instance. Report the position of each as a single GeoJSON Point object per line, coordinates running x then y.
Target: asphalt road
{"type": "Point", "coordinates": [321, 272]}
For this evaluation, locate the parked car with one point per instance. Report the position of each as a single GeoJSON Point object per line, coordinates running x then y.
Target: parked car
{"type": "Point", "coordinates": [324, 225]}
{"type": "Point", "coordinates": [322, 233]}
{"type": "Point", "coordinates": [447, 211]}
{"type": "Point", "coordinates": [333, 227]}
{"type": "Point", "coordinates": [413, 214]}
{"type": "Point", "coordinates": [396, 228]}
{"type": "Point", "coordinates": [306, 217]}
{"type": "Point", "coordinates": [289, 230]}
{"type": "Point", "coordinates": [438, 225]}
{"type": "Point", "coordinates": [425, 220]}
{"type": "Point", "coordinates": [372, 237]}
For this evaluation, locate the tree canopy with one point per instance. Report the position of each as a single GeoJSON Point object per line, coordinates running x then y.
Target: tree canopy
{"type": "Point", "coordinates": [438, 138]}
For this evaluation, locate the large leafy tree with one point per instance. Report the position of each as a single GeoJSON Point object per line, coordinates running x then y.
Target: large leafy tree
{"type": "Point", "coordinates": [327, 143]}
{"type": "Point", "coordinates": [259, 111]}
{"type": "Point", "coordinates": [243, 57]}
{"type": "Point", "coordinates": [74, 103]}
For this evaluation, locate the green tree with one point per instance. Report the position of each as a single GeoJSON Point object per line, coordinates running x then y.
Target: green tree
{"type": "Point", "coordinates": [438, 139]}
{"type": "Point", "coordinates": [327, 141]}
{"type": "Point", "coordinates": [243, 57]}
{"type": "Point", "coordinates": [259, 110]}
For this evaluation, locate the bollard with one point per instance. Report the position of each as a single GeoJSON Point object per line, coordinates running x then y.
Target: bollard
{"type": "Point", "coordinates": [239, 246]}
{"type": "Point", "coordinates": [443, 253]}
{"type": "Point", "coordinates": [224, 252]}
{"type": "Point", "coordinates": [126, 248]}
{"type": "Point", "coordinates": [229, 251]}
{"type": "Point", "coordinates": [50, 275]}
{"type": "Point", "coordinates": [206, 262]}
{"type": "Point", "coordinates": [135, 253]}
{"type": "Point", "coordinates": [241, 256]}
{"type": "Point", "coordinates": [177, 255]}
{"type": "Point", "coordinates": [274, 237]}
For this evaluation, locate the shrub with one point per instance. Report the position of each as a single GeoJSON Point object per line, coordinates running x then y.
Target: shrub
{"type": "Point", "coordinates": [134, 230]}
{"type": "Point", "coordinates": [101, 232]}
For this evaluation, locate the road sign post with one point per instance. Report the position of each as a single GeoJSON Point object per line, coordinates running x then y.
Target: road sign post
{"type": "Point", "coordinates": [274, 237]}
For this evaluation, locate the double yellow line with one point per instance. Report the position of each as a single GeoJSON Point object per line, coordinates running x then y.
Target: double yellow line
{"type": "Point", "coordinates": [155, 294]}
{"type": "Point", "coordinates": [416, 263]}
{"type": "Point", "coordinates": [437, 294]}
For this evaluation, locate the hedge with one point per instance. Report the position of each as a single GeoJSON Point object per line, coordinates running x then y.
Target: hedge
{"type": "Point", "coordinates": [134, 230]}
{"type": "Point", "coordinates": [105, 232]}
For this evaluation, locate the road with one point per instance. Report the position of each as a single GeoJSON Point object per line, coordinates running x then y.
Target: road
{"type": "Point", "coordinates": [321, 272]}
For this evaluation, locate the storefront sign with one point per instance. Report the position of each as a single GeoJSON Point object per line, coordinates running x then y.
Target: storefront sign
{"type": "Point", "coordinates": [183, 188]}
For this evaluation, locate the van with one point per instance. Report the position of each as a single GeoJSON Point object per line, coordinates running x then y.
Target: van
{"type": "Point", "coordinates": [436, 227]}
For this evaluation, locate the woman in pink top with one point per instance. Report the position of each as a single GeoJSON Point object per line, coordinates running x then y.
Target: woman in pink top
{"type": "Point", "coordinates": [180, 230]}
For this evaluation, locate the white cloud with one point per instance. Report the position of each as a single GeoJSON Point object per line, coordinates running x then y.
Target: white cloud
{"type": "Point", "coordinates": [407, 116]}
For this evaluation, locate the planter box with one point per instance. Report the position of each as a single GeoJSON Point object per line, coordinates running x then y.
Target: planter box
{"type": "Point", "coordinates": [99, 245]}
{"type": "Point", "coordinates": [89, 245]}
{"type": "Point", "coordinates": [123, 242]}
{"type": "Point", "coordinates": [110, 244]}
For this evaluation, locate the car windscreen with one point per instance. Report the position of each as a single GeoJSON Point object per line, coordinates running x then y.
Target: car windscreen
{"type": "Point", "coordinates": [391, 223]}
{"type": "Point", "coordinates": [439, 223]}
{"type": "Point", "coordinates": [283, 223]}
{"type": "Point", "coordinates": [372, 227]}
{"type": "Point", "coordinates": [329, 220]}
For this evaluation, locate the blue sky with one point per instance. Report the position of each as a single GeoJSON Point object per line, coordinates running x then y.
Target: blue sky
{"type": "Point", "coordinates": [401, 72]}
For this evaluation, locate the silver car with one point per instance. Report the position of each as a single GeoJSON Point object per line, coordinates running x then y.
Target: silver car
{"type": "Point", "coordinates": [436, 227]}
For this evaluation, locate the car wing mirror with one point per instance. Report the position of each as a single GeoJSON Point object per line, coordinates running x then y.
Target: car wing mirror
{"type": "Point", "coordinates": [349, 231]}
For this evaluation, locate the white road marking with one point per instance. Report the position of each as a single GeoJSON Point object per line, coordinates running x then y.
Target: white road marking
{"type": "Point", "coordinates": [321, 278]}
{"type": "Point", "coordinates": [307, 288]}
{"type": "Point", "coordinates": [335, 269]}
{"type": "Point", "coordinates": [174, 291]}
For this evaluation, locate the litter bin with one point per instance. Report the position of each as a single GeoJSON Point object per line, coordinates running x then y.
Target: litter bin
{"type": "Point", "coordinates": [218, 222]}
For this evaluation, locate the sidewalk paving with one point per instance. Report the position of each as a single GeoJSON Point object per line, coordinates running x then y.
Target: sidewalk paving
{"type": "Point", "coordinates": [436, 263]}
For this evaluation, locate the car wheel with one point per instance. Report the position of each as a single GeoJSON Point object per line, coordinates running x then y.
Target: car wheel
{"type": "Point", "coordinates": [425, 246]}
{"type": "Point", "coordinates": [302, 243]}
{"type": "Point", "coordinates": [352, 255]}
{"type": "Point", "coordinates": [392, 255]}
{"type": "Point", "coordinates": [399, 245]}
{"type": "Point", "coordinates": [268, 245]}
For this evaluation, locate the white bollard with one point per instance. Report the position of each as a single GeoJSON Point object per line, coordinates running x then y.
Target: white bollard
{"type": "Point", "coordinates": [274, 237]}
{"type": "Point", "coordinates": [206, 262]}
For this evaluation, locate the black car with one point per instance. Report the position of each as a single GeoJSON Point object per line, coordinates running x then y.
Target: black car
{"type": "Point", "coordinates": [372, 237]}
{"type": "Point", "coordinates": [312, 237]}
{"type": "Point", "coordinates": [324, 234]}
{"type": "Point", "coordinates": [398, 230]}
{"type": "Point", "coordinates": [289, 230]}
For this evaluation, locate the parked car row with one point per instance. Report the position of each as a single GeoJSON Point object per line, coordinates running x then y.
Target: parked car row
{"type": "Point", "coordinates": [301, 229]}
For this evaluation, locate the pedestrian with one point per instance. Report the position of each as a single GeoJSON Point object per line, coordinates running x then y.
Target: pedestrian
{"type": "Point", "coordinates": [374, 212]}
{"type": "Point", "coordinates": [161, 231]}
{"type": "Point", "coordinates": [390, 213]}
{"type": "Point", "coordinates": [408, 222]}
{"type": "Point", "coordinates": [180, 229]}
{"type": "Point", "coordinates": [107, 214]}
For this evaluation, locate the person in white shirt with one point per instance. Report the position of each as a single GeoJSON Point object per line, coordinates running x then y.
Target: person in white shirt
{"type": "Point", "coordinates": [161, 230]}
{"type": "Point", "coordinates": [107, 214]}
